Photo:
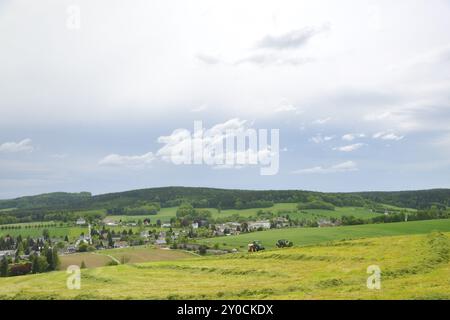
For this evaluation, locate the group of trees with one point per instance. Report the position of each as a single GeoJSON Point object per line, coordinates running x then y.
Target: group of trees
{"type": "Point", "coordinates": [315, 204]}
{"type": "Point", "coordinates": [31, 256]}
{"type": "Point", "coordinates": [139, 210]}
{"type": "Point", "coordinates": [188, 214]}
{"type": "Point", "coordinates": [434, 212]}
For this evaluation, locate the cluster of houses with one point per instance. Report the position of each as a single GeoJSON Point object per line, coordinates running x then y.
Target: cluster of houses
{"type": "Point", "coordinates": [161, 237]}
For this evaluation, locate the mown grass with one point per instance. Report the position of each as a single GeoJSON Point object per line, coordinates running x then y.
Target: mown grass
{"type": "Point", "coordinates": [126, 255]}
{"type": "Point", "coordinates": [337, 270]}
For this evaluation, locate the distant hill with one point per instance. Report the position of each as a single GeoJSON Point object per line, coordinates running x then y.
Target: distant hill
{"type": "Point", "coordinates": [47, 200]}
{"type": "Point", "coordinates": [222, 198]}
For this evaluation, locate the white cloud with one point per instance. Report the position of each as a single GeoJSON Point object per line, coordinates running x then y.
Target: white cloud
{"type": "Point", "coordinates": [347, 166]}
{"type": "Point", "coordinates": [127, 161]}
{"type": "Point", "coordinates": [350, 148]}
{"type": "Point", "coordinates": [21, 146]}
{"type": "Point", "coordinates": [386, 135]}
{"type": "Point", "coordinates": [181, 139]}
{"type": "Point", "coordinates": [320, 139]}
{"type": "Point", "coordinates": [352, 136]}
{"type": "Point", "coordinates": [291, 40]}
{"type": "Point", "coordinates": [208, 59]}
{"type": "Point", "coordinates": [285, 108]}
{"type": "Point", "coordinates": [272, 59]}
{"type": "Point", "coordinates": [322, 120]}
{"type": "Point", "coordinates": [200, 108]}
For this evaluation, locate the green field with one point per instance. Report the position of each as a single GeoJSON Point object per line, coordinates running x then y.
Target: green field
{"type": "Point", "coordinates": [412, 267]}
{"type": "Point", "coordinates": [165, 214]}
{"type": "Point", "coordinates": [308, 236]}
{"type": "Point", "coordinates": [55, 232]}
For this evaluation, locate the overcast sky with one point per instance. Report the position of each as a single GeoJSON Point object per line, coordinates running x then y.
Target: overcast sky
{"type": "Point", "coordinates": [360, 91]}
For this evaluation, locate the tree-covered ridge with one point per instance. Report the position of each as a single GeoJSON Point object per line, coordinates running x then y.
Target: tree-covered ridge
{"type": "Point", "coordinates": [59, 206]}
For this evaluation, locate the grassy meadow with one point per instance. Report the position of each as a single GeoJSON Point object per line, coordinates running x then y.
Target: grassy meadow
{"type": "Point", "coordinates": [309, 236]}
{"type": "Point", "coordinates": [412, 267]}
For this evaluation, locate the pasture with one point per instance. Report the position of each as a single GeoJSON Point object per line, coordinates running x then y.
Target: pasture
{"type": "Point", "coordinates": [309, 236]}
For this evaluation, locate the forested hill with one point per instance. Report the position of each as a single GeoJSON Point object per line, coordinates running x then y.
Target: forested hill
{"type": "Point", "coordinates": [222, 198]}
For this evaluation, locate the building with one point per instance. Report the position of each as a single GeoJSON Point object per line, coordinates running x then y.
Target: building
{"type": "Point", "coordinates": [80, 222]}
{"type": "Point", "coordinates": [160, 242]}
{"type": "Point", "coordinates": [195, 225]}
{"type": "Point", "coordinates": [120, 244]}
{"type": "Point", "coordinates": [326, 223]}
{"type": "Point", "coordinates": [259, 225]}
{"type": "Point", "coordinates": [7, 254]}
{"type": "Point", "coordinates": [281, 222]}
{"type": "Point", "coordinates": [228, 228]}
{"type": "Point", "coordinates": [110, 223]}
{"type": "Point", "coordinates": [71, 249]}
{"type": "Point", "coordinates": [166, 225]}
{"type": "Point", "coordinates": [145, 234]}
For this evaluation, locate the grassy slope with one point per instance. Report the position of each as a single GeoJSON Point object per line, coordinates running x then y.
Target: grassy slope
{"type": "Point", "coordinates": [308, 236]}
{"type": "Point", "coordinates": [412, 267]}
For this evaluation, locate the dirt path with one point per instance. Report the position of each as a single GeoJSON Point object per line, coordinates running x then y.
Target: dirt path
{"type": "Point", "coordinates": [109, 256]}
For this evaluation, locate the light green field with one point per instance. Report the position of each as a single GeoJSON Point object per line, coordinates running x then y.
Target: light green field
{"type": "Point", "coordinates": [55, 232]}
{"type": "Point", "coordinates": [412, 267]}
{"type": "Point", "coordinates": [308, 236]}
{"type": "Point", "coordinates": [165, 214]}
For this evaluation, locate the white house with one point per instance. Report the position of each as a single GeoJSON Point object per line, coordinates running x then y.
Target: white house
{"type": "Point", "coordinates": [259, 224]}
{"type": "Point", "coordinates": [160, 242]}
{"type": "Point", "coordinates": [195, 225]}
{"type": "Point", "coordinates": [81, 222]}
{"type": "Point", "coordinates": [7, 253]}
{"type": "Point", "coordinates": [166, 225]}
{"type": "Point", "coordinates": [144, 234]}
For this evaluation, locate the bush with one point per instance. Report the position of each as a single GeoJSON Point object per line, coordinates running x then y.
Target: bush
{"type": "Point", "coordinates": [316, 204]}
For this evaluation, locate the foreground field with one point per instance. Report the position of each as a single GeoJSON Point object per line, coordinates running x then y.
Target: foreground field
{"type": "Point", "coordinates": [413, 267]}
{"type": "Point", "coordinates": [308, 236]}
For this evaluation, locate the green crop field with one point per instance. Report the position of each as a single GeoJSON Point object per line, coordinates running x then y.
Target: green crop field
{"type": "Point", "coordinates": [308, 236]}
{"type": "Point", "coordinates": [412, 267]}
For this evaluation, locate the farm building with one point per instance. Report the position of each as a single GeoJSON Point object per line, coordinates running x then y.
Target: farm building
{"type": "Point", "coordinates": [259, 225]}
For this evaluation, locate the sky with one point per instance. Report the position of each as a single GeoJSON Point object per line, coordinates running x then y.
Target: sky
{"type": "Point", "coordinates": [95, 95]}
